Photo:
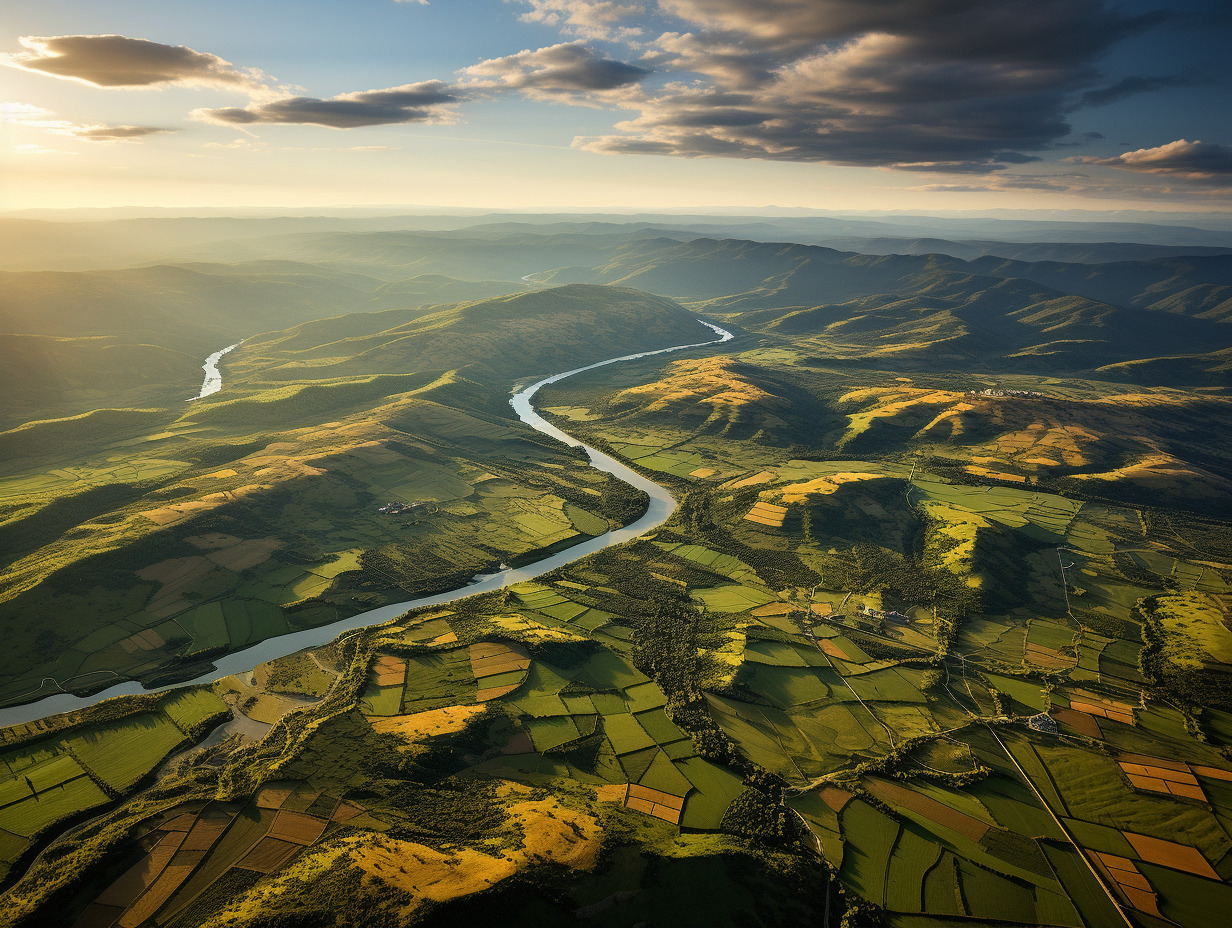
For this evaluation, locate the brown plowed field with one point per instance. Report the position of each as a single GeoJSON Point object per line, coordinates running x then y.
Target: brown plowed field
{"type": "Point", "coordinates": [928, 807]}
{"type": "Point", "coordinates": [494, 692]}
{"type": "Point", "coordinates": [834, 797]}
{"type": "Point", "coordinates": [153, 898]}
{"type": "Point", "coordinates": [1079, 721]}
{"type": "Point", "coordinates": [268, 855]}
{"type": "Point", "coordinates": [489, 658]}
{"type": "Point", "coordinates": [272, 797]}
{"type": "Point", "coordinates": [296, 827]}
{"type": "Point", "coordinates": [141, 876]}
{"type": "Point", "coordinates": [1125, 874]}
{"type": "Point", "coordinates": [345, 812]}
{"type": "Point", "coordinates": [1170, 854]}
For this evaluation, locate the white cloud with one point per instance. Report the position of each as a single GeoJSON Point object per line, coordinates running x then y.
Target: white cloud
{"type": "Point", "coordinates": [1183, 159]}
{"type": "Point", "coordinates": [588, 19]}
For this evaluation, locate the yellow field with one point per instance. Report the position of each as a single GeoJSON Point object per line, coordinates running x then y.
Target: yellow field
{"type": "Point", "coordinates": [764, 476]}
{"type": "Point", "coordinates": [551, 832]}
{"type": "Point", "coordinates": [414, 728]}
{"type": "Point", "coordinates": [1195, 629]}
{"type": "Point", "coordinates": [767, 514]}
{"type": "Point", "coordinates": [981, 471]}
{"type": "Point", "coordinates": [711, 382]}
{"type": "Point", "coordinates": [822, 486]}
{"type": "Point", "coordinates": [170, 515]}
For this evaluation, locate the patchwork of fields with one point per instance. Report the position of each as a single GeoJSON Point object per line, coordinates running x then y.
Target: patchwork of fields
{"type": "Point", "coordinates": [955, 686]}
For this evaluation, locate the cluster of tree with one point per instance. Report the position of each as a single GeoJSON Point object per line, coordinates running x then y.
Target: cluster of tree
{"type": "Point", "coordinates": [670, 645]}
{"type": "Point", "coordinates": [1192, 688]}
{"type": "Point", "coordinates": [759, 813]}
{"type": "Point", "coordinates": [704, 517]}
{"type": "Point", "coordinates": [899, 764]}
{"type": "Point", "coordinates": [416, 568]}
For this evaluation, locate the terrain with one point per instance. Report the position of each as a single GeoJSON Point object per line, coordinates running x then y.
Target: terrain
{"type": "Point", "coordinates": [938, 634]}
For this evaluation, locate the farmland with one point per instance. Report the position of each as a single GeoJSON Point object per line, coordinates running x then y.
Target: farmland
{"type": "Point", "coordinates": [54, 776]}
{"type": "Point", "coordinates": [918, 646]}
{"type": "Point", "coordinates": [193, 532]}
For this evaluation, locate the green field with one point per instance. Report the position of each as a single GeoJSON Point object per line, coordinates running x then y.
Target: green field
{"type": "Point", "coordinates": [121, 754]}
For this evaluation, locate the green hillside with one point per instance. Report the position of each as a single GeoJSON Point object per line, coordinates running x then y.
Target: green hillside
{"type": "Point", "coordinates": [264, 496]}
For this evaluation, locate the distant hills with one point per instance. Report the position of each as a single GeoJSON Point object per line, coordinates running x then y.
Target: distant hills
{"type": "Point", "coordinates": [73, 341]}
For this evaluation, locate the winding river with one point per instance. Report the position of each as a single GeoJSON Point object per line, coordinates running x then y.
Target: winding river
{"type": "Point", "coordinates": [662, 505]}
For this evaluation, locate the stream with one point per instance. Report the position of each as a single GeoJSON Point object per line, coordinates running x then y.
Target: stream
{"type": "Point", "coordinates": [662, 505]}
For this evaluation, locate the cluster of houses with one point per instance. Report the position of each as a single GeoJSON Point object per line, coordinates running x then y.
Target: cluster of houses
{"type": "Point", "coordinates": [392, 509]}
{"type": "Point", "coordinates": [993, 392]}
{"type": "Point", "coordinates": [872, 613]}
{"type": "Point", "coordinates": [1043, 723]}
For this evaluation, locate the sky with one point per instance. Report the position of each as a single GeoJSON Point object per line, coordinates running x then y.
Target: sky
{"type": "Point", "coordinates": [617, 104]}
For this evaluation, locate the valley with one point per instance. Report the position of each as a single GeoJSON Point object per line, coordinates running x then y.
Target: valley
{"type": "Point", "coordinates": [914, 610]}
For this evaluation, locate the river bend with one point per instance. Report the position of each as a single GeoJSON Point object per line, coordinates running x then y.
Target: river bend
{"type": "Point", "coordinates": [662, 505]}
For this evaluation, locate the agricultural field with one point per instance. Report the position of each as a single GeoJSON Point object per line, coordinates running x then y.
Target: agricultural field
{"type": "Point", "coordinates": [913, 648]}
{"type": "Point", "coordinates": [820, 694]}
{"type": "Point", "coordinates": [285, 505]}
{"type": "Point", "coordinates": [58, 774]}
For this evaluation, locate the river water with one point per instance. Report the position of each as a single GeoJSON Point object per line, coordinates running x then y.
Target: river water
{"type": "Point", "coordinates": [662, 505]}
{"type": "Point", "coordinates": [213, 377]}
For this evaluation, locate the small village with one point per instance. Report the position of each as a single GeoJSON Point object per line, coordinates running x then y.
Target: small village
{"type": "Point", "coordinates": [396, 508]}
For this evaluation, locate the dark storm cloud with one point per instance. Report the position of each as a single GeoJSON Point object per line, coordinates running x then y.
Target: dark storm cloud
{"type": "Point", "coordinates": [899, 82]}
{"type": "Point", "coordinates": [424, 102]}
{"type": "Point", "coordinates": [120, 61]}
{"type": "Point", "coordinates": [1131, 86]}
{"type": "Point", "coordinates": [1049, 29]}
{"type": "Point", "coordinates": [1014, 157]}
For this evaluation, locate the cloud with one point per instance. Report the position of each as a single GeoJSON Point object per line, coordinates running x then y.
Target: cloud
{"type": "Point", "coordinates": [256, 146]}
{"type": "Point", "coordinates": [897, 82]}
{"type": "Point", "coordinates": [425, 102]}
{"type": "Point", "coordinates": [1074, 184]}
{"type": "Point", "coordinates": [565, 70]}
{"type": "Point", "coordinates": [590, 19]}
{"type": "Point", "coordinates": [1183, 159]}
{"type": "Point", "coordinates": [949, 167]}
{"type": "Point", "coordinates": [114, 133]}
{"type": "Point", "coordinates": [962, 27]}
{"type": "Point", "coordinates": [120, 61]}
{"type": "Point", "coordinates": [1132, 86]}
{"type": "Point", "coordinates": [36, 117]}
{"type": "Point", "coordinates": [14, 111]}
{"type": "Point", "coordinates": [949, 188]}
